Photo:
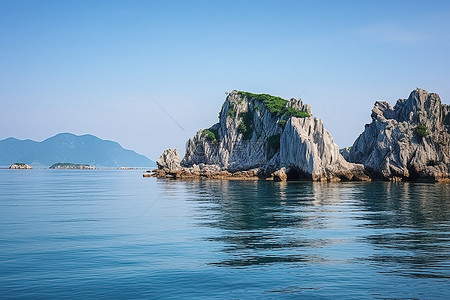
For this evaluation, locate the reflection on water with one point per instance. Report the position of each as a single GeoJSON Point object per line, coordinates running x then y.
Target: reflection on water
{"type": "Point", "coordinates": [412, 228]}
{"type": "Point", "coordinates": [259, 221]}
{"type": "Point", "coordinates": [399, 228]}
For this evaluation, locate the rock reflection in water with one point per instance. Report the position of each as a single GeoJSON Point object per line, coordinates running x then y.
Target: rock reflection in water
{"type": "Point", "coordinates": [410, 223]}
{"type": "Point", "coordinates": [265, 222]}
{"type": "Point", "coordinates": [392, 227]}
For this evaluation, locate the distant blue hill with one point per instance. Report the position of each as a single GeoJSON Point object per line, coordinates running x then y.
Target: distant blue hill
{"type": "Point", "coordinates": [70, 148]}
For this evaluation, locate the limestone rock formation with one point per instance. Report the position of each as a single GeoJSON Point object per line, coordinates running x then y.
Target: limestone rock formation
{"type": "Point", "coordinates": [307, 148]}
{"type": "Point", "coordinates": [169, 160]}
{"type": "Point", "coordinates": [20, 166]}
{"type": "Point", "coordinates": [267, 133]}
{"type": "Point", "coordinates": [408, 141]}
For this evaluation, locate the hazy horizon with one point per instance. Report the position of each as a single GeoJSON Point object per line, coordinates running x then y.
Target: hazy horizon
{"type": "Point", "coordinates": [149, 74]}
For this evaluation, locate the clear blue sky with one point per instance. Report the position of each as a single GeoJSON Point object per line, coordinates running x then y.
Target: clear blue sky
{"type": "Point", "coordinates": [84, 66]}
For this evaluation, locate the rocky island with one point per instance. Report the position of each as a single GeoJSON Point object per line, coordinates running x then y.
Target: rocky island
{"type": "Point", "coordinates": [20, 166]}
{"type": "Point", "coordinates": [409, 141]}
{"type": "Point", "coordinates": [260, 136]}
{"type": "Point", "coordinates": [72, 166]}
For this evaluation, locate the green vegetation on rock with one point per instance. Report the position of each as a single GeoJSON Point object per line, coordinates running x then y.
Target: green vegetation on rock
{"type": "Point", "coordinates": [211, 135]}
{"type": "Point", "coordinates": [242, 128]}
{"type": "Point", "coordinates": [231, 112]}
{"type": "Point", "coordinates": [292, 112]}
{"type": "Point", "coordinates": [421, 130]}
{"type": "Point", "coordinates": [276, 105]}
{"type": "Point", "coordinates": [70, 166]}
{"type": "Point", "coordinates": [282, 123]}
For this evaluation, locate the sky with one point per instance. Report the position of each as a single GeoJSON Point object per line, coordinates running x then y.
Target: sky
{"type": "Point", "coordinates": [149, 74]}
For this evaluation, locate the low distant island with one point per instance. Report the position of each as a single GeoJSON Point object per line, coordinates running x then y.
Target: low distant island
{"type": "Point", "coordinates": [72, 166]}
{"type": "Point", "coordinates": [20, 166]}
{"type": "Point", "coordinates": [260, 136]}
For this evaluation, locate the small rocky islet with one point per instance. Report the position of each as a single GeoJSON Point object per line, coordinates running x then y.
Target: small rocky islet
{"type": "Point", "coordinates": [21, 166]}
{"type": "Point", "coordinates": [72, 166]}
{"type": "Point", "coordinates": [260, 136]}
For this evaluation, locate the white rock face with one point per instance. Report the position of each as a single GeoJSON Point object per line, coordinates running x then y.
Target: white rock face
{"type": "Point", "coordinates": [250, 136]}
{"type": "Point", "coordinates": [20, 166]}
{"type": "Point", "coordinates": [307, 147]}
{"type": "Point", "coordinates": [391, 148]}
{"type": "Point", "coordinates": [169, 160]}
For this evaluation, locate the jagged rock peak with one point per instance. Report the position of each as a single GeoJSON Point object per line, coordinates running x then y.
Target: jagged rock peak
{"type": "Point", "coordinates": [421, 107]}
{"type": "Point", "coordinates": [408, 141]}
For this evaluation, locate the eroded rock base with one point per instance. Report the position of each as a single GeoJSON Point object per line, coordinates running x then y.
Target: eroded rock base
{"type": "Point", "coordinates": [215, 172]}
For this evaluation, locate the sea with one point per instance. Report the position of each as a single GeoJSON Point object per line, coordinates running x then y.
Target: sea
{"type": "Point", "coordinates": [113, 234]}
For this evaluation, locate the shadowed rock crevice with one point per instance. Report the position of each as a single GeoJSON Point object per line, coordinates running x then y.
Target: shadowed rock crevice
{"type": "Point", "coordinates": [295, 174]}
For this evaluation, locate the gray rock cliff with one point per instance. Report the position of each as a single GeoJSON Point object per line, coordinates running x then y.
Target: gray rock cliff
{"type": "Point", "coordinates": [308, 148]}
{"type": "Point", "coordinates": [408, 141]}
{"type": "Point", "coordinates": [259, 131]}
{"type": "Point", "coordinates": [169, 160]}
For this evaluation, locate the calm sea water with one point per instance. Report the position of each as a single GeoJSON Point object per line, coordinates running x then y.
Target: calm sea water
{"type": "Point", "coordinates": [112, 234]}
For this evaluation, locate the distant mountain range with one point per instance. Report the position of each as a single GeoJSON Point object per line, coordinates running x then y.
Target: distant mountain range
{"type": "Point", "coordinates": [70, 148]}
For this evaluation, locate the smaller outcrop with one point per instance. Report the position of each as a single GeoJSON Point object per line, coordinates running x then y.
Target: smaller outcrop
{"type": "Point", "coordinates": [20, 166]}
{"type": "Point", "coordinates": [168, 164]}
{"type": "Point", "coordinates": [280, 175]}
{"type": "Point", "coordinates": [170, 160]}
{"type": "Point", "coordinates": [410, 141]}
{"type": "Point", "coordinates": [72, 166]}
